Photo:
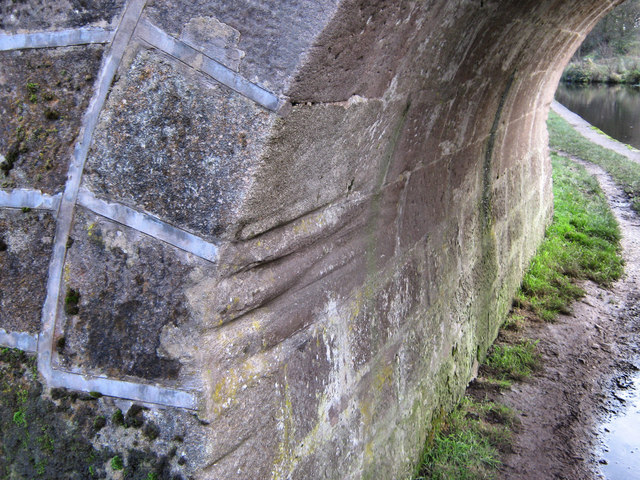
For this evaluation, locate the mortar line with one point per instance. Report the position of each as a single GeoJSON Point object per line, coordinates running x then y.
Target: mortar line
{"type": "Point", "coordinates": [197, 60]}
{"type": "Point", "coordinates": [61, 38]}
{"type": "Point", "coordinates": [29, 198]}
{"type": "Point", "coordinates": [107, 73]}
{"type": "Point", "coordinates": [139, 392]}
{"type": "Point", "coordinates": [149, 225]}
{"type": "Point", "coordinates": [21, 340]}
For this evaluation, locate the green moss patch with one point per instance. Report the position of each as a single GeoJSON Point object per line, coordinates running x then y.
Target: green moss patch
{"type": "Point", "coordinates": [50, 436]}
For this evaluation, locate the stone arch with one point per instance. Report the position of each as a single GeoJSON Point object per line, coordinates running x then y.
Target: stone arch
{"type": "Point", "coordinates": [303, 220]}
{"type": "Point", "coordinates": [424, 125]}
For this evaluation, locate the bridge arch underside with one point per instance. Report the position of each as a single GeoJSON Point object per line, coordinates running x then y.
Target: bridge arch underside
{"type": "Point", "coordinates": [314, 259]}
{"type": "Point", "coordinates": [414, 169]}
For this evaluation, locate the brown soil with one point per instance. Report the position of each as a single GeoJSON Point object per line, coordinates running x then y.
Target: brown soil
{"type": "Point", "coordinates": [585, 356]}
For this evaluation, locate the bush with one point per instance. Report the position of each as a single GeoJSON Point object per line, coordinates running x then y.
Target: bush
{"type": "Point", "coordinates": [576, 73]}
{"type": "Point", "coordinates": [632, 77]}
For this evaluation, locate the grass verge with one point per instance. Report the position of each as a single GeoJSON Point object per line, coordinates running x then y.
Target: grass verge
{"type": "Point", "coordinates": [626, 173]}
{"type": "Point", "coordinates": [581, 243]}
{"type": "Point", "coordinates": [513, 362]}
{"type": "Point", "coordinates": [469, 442]}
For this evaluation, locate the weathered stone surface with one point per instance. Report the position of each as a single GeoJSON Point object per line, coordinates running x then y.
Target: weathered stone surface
{"type": "Point", "coordinates": [124, 309]}
{"type": "Point", "coordinates": [358, 53]}
{"type": "Point", "coordinates": [44, 96]}
{"type": "Point", "coordinates": [320, 154]}
{"type": "Point", "coordinates": [370, 238]}
{"type": "Point", "coordinates": [36, 15]}
{"type": "Point", "coordinates": [274, 35]}
{"type": "Point", "coordinates": [215, 39]}
{"type": "Point", "coordinates": [177, 145]}
{"type": "Point", "coordinates": [26, 239]}
{"type": "Point", "coordinates": [426, 203]}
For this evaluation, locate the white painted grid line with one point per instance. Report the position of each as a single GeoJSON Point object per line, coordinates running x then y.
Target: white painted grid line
{"type": "Point", "coordinates": [150, 225]}
{"type": "Point", "coordinates": [128, 390]}
{"type": "Point", "coordinates": [121, 389]}
{"type": "Point", "coordinates": [62, 38]}
{"type": "Point", "coordinates": [201, 62]}
{"type": "Point", "coordinates": [27, 198]}
{"type": "Point", "coordinates": [21, 340]}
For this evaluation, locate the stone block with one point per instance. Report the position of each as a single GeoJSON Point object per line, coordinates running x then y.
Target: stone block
{"type": "Point", "coordinates": [124, 310]}
{"type": "Point", "coordinates": [26, 242]}
{"type": "Point", "coordinates": [500, 202]}
{"type": "Point", "coordinates": [321, 154]}
{"type": "Point", "coordinates": [382, 228]}
{"type": "Point", "coordinates": [273, 35]}
{"type": "Point", "coordinates": [418, 142]}
{"type": "Point", "coordinates": [38, 15]}
{"type": "Point", "coordinates": [382, 308]}
{"type": "Point", "coordinates": [426, 203]}
{"type": "Point", "coordinates": [174, 144]}
{"type": "Point", "coordinates": [465, 167]}
{"type": "Point", "coordinates": [358, 53]}
{"type": "Point", "coordinates": [44, 95]}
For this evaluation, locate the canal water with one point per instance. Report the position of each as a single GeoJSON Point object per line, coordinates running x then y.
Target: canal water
{"type": "Point", "coordinates": [621, 436]}
{"type": "Point", "coordinates": [616, 111]}
{"type": "Point", "coordinates": [613, 109]}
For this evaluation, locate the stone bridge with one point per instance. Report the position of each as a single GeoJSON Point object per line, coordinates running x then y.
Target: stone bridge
{"type": "Point", "coordinates": [297, 222]}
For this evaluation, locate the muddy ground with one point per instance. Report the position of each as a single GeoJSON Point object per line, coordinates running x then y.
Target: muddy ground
{"type": "Point", "coordinates": [587, 357]}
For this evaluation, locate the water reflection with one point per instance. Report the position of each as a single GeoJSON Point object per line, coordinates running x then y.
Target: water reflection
{"type": "Point", "coordinates": [613, 109]}
{"type": "Point", "coordinates": [622, 437]}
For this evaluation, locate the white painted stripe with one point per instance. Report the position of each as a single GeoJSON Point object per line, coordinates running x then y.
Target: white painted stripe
{"type": "Point", "coordinates": [118, 388]}
{"type": "Point", "coordinates": [107, 73]}
{"type": "Point", "coordinates": [201, 62]}
{"type": "Point", "coordinates": [63, 38]}
{"type": "Point", "coordinates": [23, 197]}
{"type": "Point", "coordinates": [150, 225]}
{"type": "Point", "coordinates": [20, 340]}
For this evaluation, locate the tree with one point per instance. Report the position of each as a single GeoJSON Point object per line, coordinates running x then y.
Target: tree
{"type": "Point", "coordinates": [618, 33]}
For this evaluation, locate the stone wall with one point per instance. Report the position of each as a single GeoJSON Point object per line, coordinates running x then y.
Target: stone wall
{"type": "Point", "coordinates": [293, 226]}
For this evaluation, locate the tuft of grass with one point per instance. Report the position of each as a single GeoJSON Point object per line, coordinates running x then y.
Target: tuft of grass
{"type": "Point", "coordinates": [468, 443]}
{"type": "Point", "coordinates": [20, 419]}
{"type": "Point", "coordinates": [71, 300]}
{"type": "Point", "coordinates": [626, 173]}
{"type": "Point", "coordinates": [117, 418]}
{"type": "Point", "coordinates": [99, 422]}
{"type": "Point", "coordinates": [581, 243]}
{"type": "Point", "coordinates": [116, 463]}
{"type": "Point", "coordinates": [514, 322]}
{"type": "Point", "coordinates": [513, 362]}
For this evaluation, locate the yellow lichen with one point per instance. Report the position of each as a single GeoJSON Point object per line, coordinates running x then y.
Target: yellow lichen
{"type": "Point", "coordinates": [382, 377]}
{"type": "Point", "coordinates": [284, 462]}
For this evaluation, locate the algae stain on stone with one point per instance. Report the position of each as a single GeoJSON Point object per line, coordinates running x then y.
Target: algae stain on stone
{"type": "Point", "coordinates": [285, 458]}
{"type": "Point", "coordinates": [487, 268]}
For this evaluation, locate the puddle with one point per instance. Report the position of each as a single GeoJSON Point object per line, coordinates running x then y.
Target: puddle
{"type": "Point", "coordinates": [621, 434]}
